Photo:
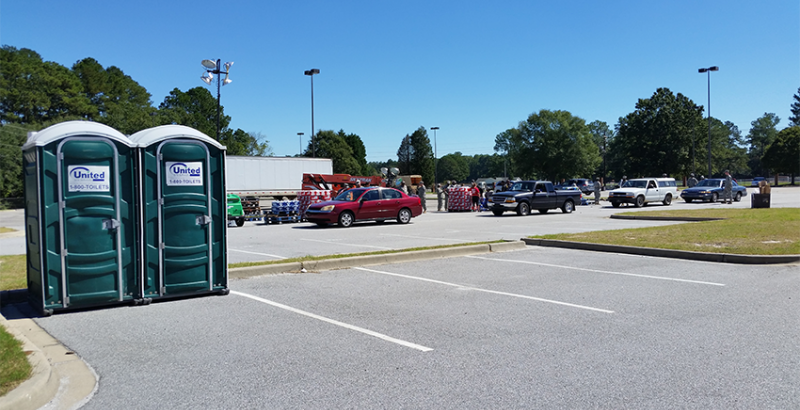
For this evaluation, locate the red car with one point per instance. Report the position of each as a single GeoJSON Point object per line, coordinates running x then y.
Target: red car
{"type": "Point", "coordinates": [365, 204]}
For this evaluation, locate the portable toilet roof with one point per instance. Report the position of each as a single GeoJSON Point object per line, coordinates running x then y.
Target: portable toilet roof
{"type": "Point", "coordinates": [150, 136]}
{"type": "Point", "coordinates": [70, 128]}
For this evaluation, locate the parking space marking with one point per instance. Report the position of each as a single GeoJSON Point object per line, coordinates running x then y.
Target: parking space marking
{"type": "Point", "coordinates": [487, 290]}
{"type": "Point", "coordinates": [345, 244]}
{"type": "Point", "coordinates": [257, 253]}
{"type": "Point", "coordinates": [335, 322]}
{"type": "Point", "coordinates": [698, 282]}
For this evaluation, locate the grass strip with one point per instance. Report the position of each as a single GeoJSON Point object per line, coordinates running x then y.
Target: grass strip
{"type": "Point", "coordinates": [772, 231]}
{"type": "Point", "coordinates": [14, 365]}
{"type": "Point", "coordinates": [347, 255]}
{"type": "Point", "coordinates": [3, 229]}
{"type": "Point", "coordinates": [12, 272]}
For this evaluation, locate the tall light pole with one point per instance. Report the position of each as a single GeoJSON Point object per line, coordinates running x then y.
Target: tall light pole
{"type": "Point", "coordinates": [214, 67]}
{"type": "Point", "coordinates": [300, 137]}
{"type": "Point", "coordinates": [709, 70]}
{"type": "Point", "coordinates": [435, 158]}
{"type": "Point", "coordinates": [311, 73]}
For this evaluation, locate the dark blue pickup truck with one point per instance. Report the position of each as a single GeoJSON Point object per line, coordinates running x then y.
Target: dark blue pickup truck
{"type": "Point", "coordinates": [527, 195]}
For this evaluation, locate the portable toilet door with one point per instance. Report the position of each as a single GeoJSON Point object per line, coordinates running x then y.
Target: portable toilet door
{"type": "Point", "coordinates": [183, 221]}
{"type": "Point", "coordinates": [80, 216]}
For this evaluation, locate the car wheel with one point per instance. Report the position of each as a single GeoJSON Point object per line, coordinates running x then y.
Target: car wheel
{"type": "Point", "coordinates": [346, 219]}
{"type": "Point", "coordinates": [523, 209]}
{"type": "Point", "coordinates": [714, 197]}
{"type": "Point", "coordinates": [615, 204]}
{"type": "Point", "coordinates": [240, 222]}
{"type": "Point", "coordinates": [497, 213]}
{"type": "Point", "coordinates": [738, 197]}
{"type": "Point", "coordinates": [404, 216]}
{"type": "Point", "coordinates": [568, 207]}
{"type": "Point", "coordinates": [639, 201]}
{"type": "Point", "coordinates": [667, 199]}
{"type": "Point", "coordinates": [543, 210]}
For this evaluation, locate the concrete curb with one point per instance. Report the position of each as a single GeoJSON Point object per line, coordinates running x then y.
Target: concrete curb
{"type": "Point", "coordinates": [349, 262]}
{"type": "Point", "coordinates": [666, 218]}
{"type": "Point", "coordinates": [669, 253]}
{"type": "Point", "coordinates": [59, 379]}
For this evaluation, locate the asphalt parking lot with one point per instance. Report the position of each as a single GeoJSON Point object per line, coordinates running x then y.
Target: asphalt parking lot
{"type": "Point", "coordinates": [536, 328]}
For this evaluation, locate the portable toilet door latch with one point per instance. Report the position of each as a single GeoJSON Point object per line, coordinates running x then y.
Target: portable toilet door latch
{"type": "Point", "coordinates": [203, 220]}
{"type": "Point", "coordinates": [110, 224]}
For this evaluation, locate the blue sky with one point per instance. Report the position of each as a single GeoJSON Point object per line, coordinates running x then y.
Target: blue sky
{"type": "Point", "coordinates": [472, 68]}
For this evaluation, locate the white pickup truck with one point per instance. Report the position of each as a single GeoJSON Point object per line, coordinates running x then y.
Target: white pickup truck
{"type": "Point", "coordinates": [642, 191]}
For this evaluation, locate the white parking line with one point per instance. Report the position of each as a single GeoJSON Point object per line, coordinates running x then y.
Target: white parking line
{"type": "Point", "coordinates": [487, 291]}
{"type": "Point", "coordinates": [599, 271]}
{"type": "Point", "coordinates": [345, 244]}
{"type": "Point", "coordinates": [335, 322]}
{"type": "Point", "coordinates": [257, 253]}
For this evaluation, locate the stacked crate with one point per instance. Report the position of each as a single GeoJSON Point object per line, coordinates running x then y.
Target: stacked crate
{"type": "Point", "coordinates": [284, 211]}
{"type": "Point", "coordinates": [311, 196]}
{"type": "Point", "coordinates": [459, 199]}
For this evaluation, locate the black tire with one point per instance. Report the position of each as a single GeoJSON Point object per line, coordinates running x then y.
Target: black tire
{"type": "Point", "coordinates": [568, 207]}
{"type": "Point", "coordinates": [738, 197]}
{"type": "Point", "coordinates": [523, 209]}
{"type": "Point", "coordinates": [543, 210]}
{"type": "Point", "coordinates": [615, 204]}
{"type": "Point", "coordinates": [497, 213]}
{"type": "Point", "coordinates": [404, 216]}
{"type": "Point", "coordinates": [639, 201]}
{"type": "Point", "coordinates": [240, 222]}
{"type": "Point", "coordinates": [714, 197]}
{"type": "Point", "coordinates": [667, 199]}
{"type": "Point", "coordinates": [346, 219]}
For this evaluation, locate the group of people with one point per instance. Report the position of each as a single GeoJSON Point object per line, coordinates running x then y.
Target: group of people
{"type": "Point", "coordinates": [477, 192]}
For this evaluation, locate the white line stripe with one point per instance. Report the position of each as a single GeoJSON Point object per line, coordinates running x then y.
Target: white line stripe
{"type": "Point", "coordinates": [345, 244]}
{"type": "Point", "coordinates": [488, 291]}
{"type": "Point", "coordinates": [601, 271]}
{"type": "Point", "coordinates": [257, 253]}
{"type": "Point", "coordinates": [335, 322]}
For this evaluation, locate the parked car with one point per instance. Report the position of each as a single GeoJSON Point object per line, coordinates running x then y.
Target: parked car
{"type": "Point", "coordinates": [584, 184]}
{"type": "Point", "coordinates": [641, 191]}
{"type": "Point", "coordinates": [235, 210]}
{"type": "Point", "coordinates": [365, 204]}
{"type": "Point", "coordinates": [710, 189]}
{"type": "Point", "coordinates": [527, 195]}
{"type": "Point", "coordinates": [756, 180]}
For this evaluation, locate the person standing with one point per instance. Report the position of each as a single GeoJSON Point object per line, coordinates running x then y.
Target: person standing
{"type": "Point", "coordinates": [692, 181]}
{"type": "Point", "coordinates": [421, 193]}
{"type": "Point", "coordinates": [476, 197]}
{"type": "Point", "coordinates": [439, 197]}
{"type": "Point", "coordinates": [623, 181]}
{"type": "Point", "coordinates": [597, 189]}
{"type": "Point", "coordinates": [447, 196]}
{"type": "Point", "coordinates": [727, 191]}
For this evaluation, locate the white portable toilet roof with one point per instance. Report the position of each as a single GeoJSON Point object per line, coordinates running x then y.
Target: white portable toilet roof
{"type": "Point", "coordinates": [150, 136]}
{"type": "Point", "coordinates": [73, 128]}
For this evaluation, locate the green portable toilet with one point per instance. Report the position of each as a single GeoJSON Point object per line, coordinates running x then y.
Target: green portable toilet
{"type": "Point", "coordinates": [183, 212]}
{"type": "Point", "coordinates": [80, 216]}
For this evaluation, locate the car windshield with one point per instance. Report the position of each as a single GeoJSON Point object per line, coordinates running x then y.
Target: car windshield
{"type": "Point", "coordinates": [635, 184]}
{"type": "Point", "coordinates": [521, 186]}
{"type": "Point", "coordinates": [710, 182]}
{"type": "Point", "coordinates": [350, 195]}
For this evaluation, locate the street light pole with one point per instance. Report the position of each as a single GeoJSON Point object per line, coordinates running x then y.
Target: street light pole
{"type": "Point", "coordinates": [435, 158]}
{"type": "Point", "coordinates": [311, 73]}
{"type": "Point", "coordinates": [300, 137]}
{"type": "Point", "coordinates": [709, 70]}
{"type": "Point", "coordinates": [212, 68]}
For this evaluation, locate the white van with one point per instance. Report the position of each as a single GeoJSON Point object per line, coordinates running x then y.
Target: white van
{"type": "Point", "coordinates": [641, 191]}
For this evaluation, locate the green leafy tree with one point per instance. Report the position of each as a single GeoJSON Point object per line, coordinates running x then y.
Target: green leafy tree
{"type": "Point", "coordinates": [794, 120]}
{"type": "Point", "coordinates": [602, 136]}
{"type": "Point", "coordinates": [762, 133]}
{"type": "Point", "coordinates": [332, 145]}
{"type": "Point", "coordinates": [359, 152]}
{"type": "Point", "coordinates": [555, 145]}
{"type": "Point", "coordinates": [783, 155]}
{"type": "Point", "coordinates": [12, 136]}
{"type": "Point", "coordinates": [657, 137]}
{"type": "Point", "coordinates": [504, 144]}
{"type": "Point", "coordinates": [243, 143]}
{"type": "Point", "coordinates": [405, 153]}
{"type": "Point", "coordinates": [453, 167]}
{"type": "Point", "coordinates": [119, 101]}
{"type": "Point", "coordinates": [33, 91]}
{"type": "Point", "coordinates": [422, 161]}
{"type": "Point", "coordinates": [195, 108]}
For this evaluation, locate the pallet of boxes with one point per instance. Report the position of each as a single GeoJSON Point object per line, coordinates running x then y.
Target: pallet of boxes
{"type": "Point", "coordinates": [283, 211]}
{"type": "Point", "coordinates": [762, 198]}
